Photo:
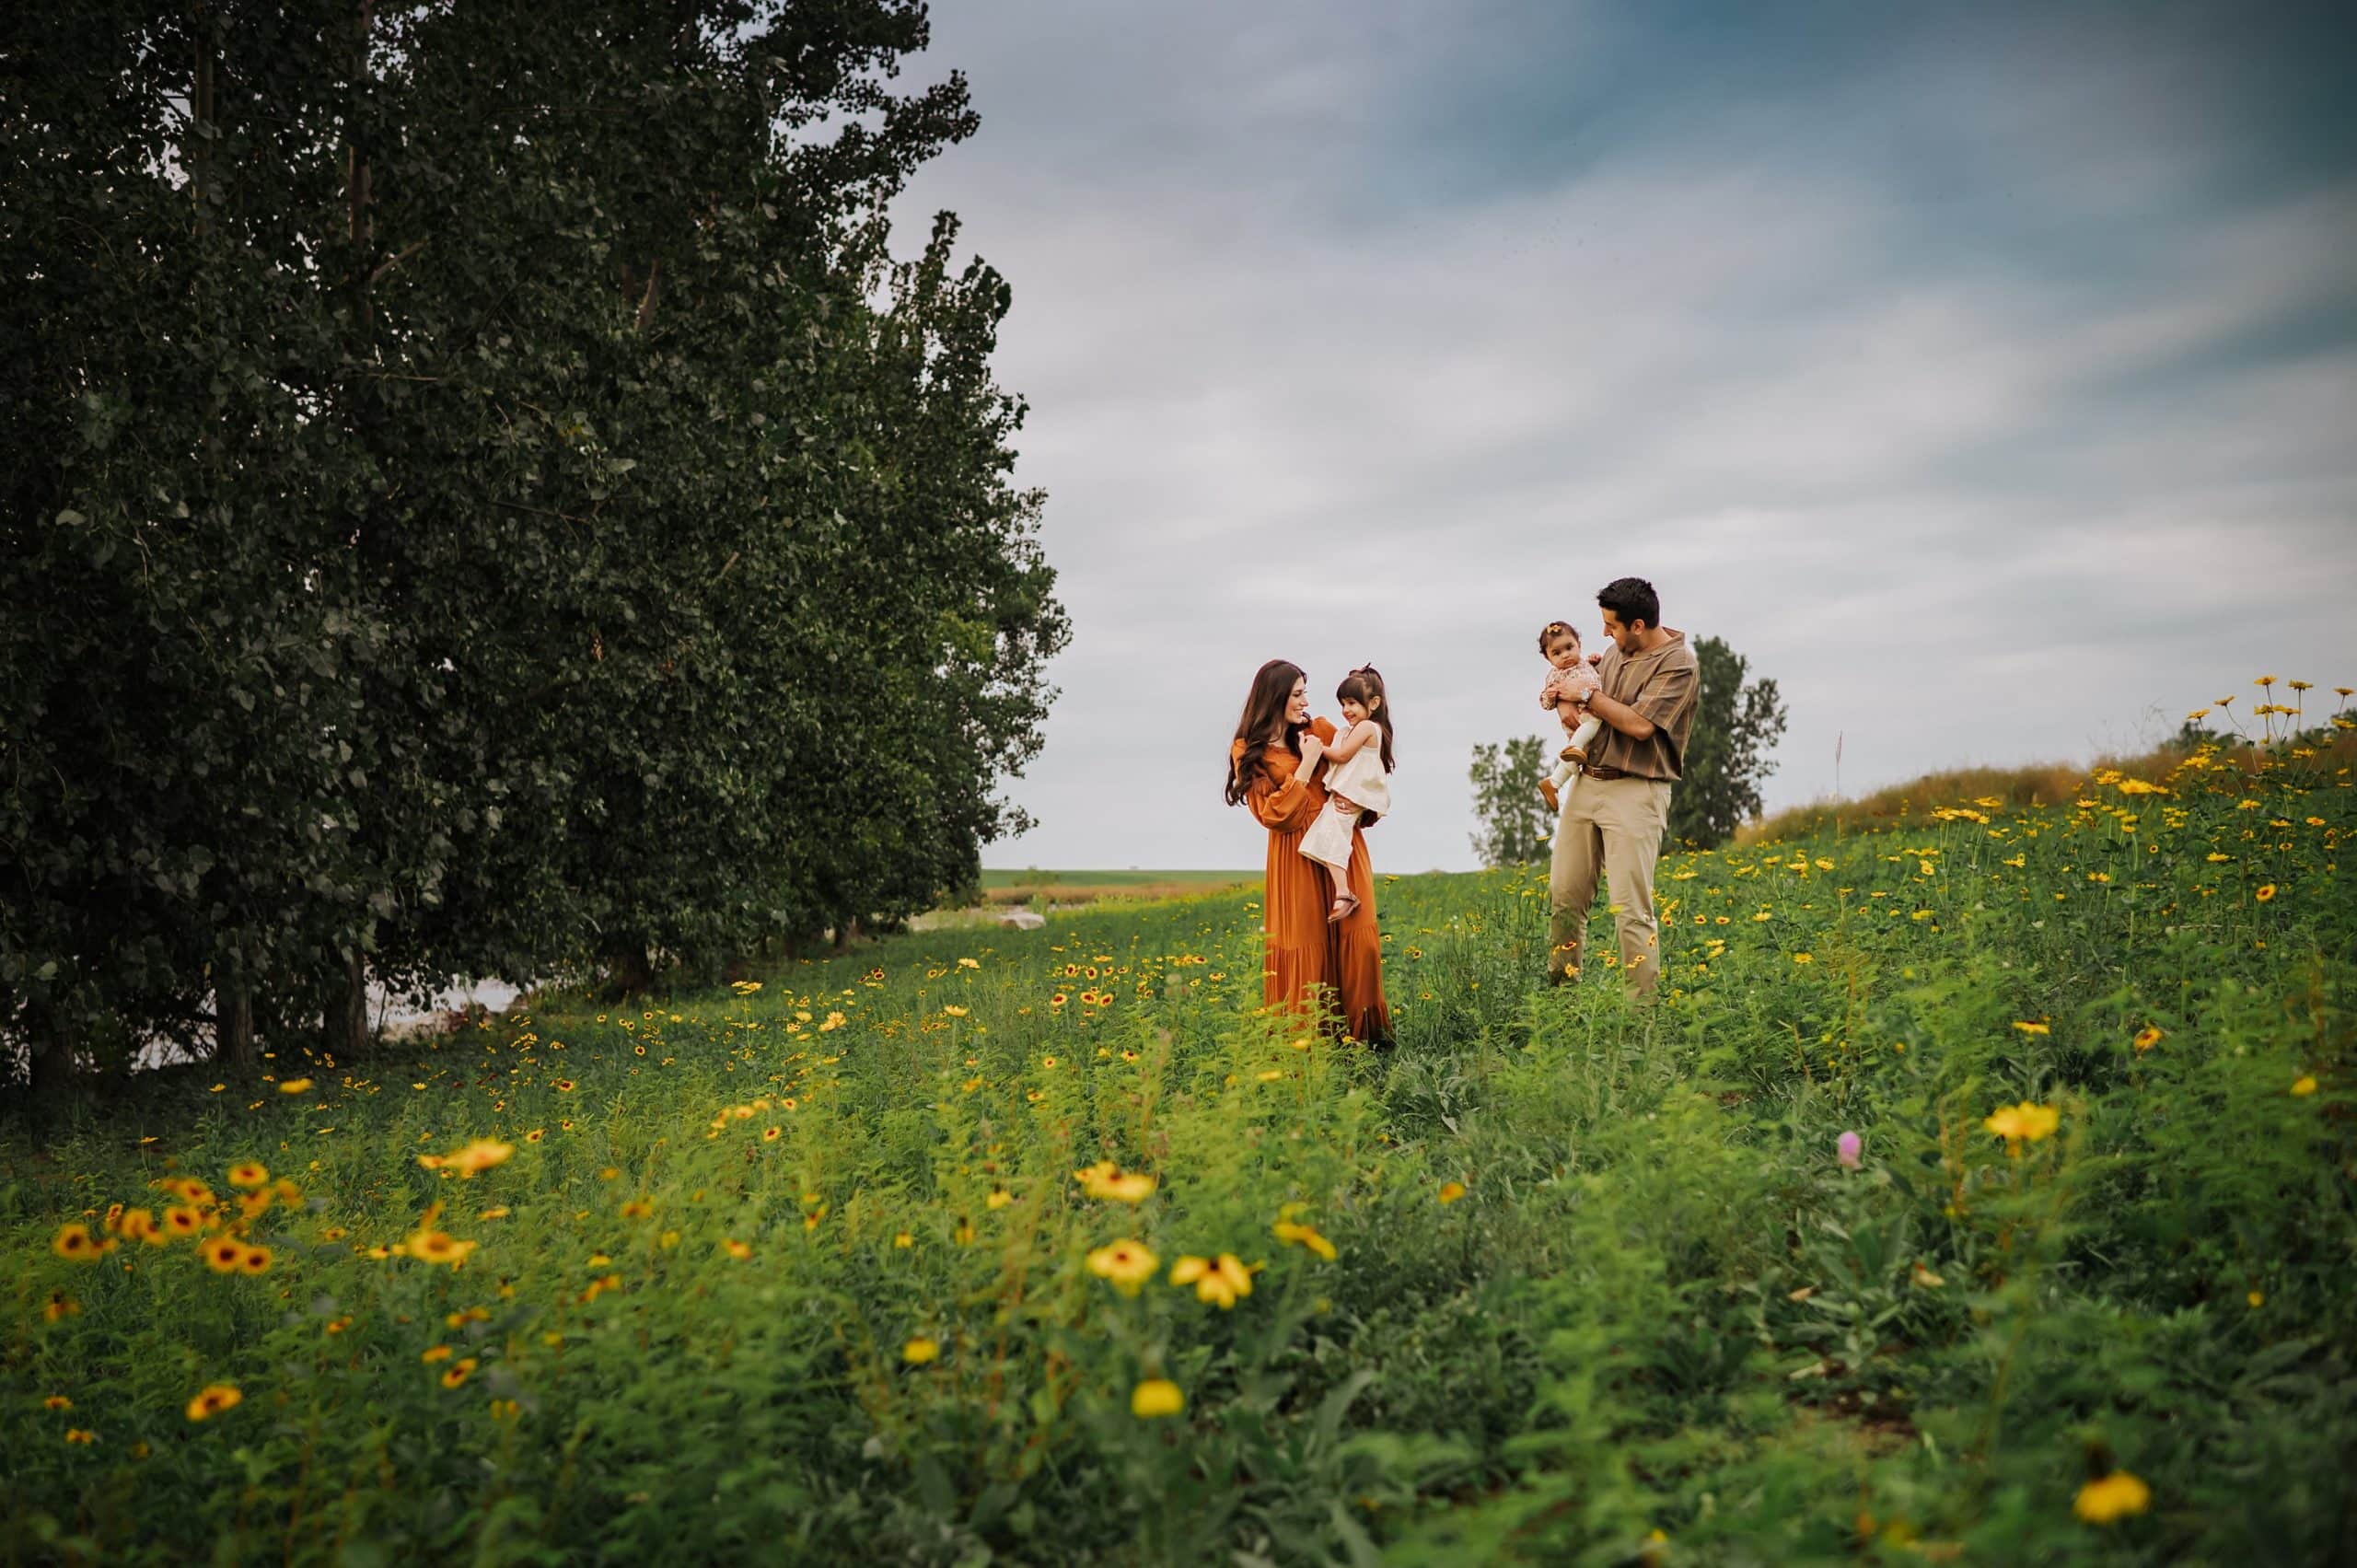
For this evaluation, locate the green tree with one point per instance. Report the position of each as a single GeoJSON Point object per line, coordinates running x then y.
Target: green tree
{"type": "Point", "coordinates": [1511, 820]}
{"type": "Point", "coordinates": [481, 499]}
{"type": "Point", "coordinates": [1737, 724]}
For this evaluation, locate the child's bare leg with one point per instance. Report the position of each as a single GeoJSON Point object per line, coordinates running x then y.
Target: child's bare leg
{"type": "Point", "coordinates": [1344, 899]}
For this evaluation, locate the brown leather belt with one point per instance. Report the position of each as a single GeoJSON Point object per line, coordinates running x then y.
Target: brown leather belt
{"type": "Point", "coordinates": [1598, 770]}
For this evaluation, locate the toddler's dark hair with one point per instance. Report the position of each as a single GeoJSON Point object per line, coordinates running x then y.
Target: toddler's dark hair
{"type": "Point", "coordinates": [1364, 686]}
{"type": "Point", "coordinates": [1554, 629]}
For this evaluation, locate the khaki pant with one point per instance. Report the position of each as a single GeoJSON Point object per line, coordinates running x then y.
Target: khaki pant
{"type": "Point", "coordinates": [1613, 826]}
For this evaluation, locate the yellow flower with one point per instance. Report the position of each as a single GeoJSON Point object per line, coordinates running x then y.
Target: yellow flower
{"type": "Point", "coordinates": [255, 1261]}
{"type": "Point", "coordinates": [1304, 1236]}
{"type": "Point", "coordinates": [1450, 1192]}
{"type": "Point", "coordinates": [954, 1010]}
{"type": "Point", "coordinates": [439, 1353]}
{"type": "Point", "coordinates": [637, 1208]}
{"type": "Point", "coordinates": [57, 1402]}
{"type": "Point", "coordinates": [80, 1434]}
{"type": "Point", "coordinates": [59, 1305]}
{"type": "Point", "coordinates": [1128, 1264]}
{"type": "Point", "coordinates": [481, 1155]}
{"type": "Point", "coordinates": [2265, 893]}
{"type": "Point", "coordinates": [212, 1400]}
{"type": "Point", "coordinates": [2257, 1299]}
{"type": "Point", "coordinates": [1105, 1180]}
{"type": "Point", "coordinates": [459, 1372]}
{"type": "Point", "coordinates": [2148, 1037]}
{"type": "Point", "coordinates": [225, 1254]}
{"type": "Point", "coordinates": [1155, 1398]}
{"type": "Point", "coordinates": [437, 1246]}
{"type": "Point", "coordinates": [741, 1250]}
{"type": "Point", "coordinates": [248, 1173]}
{"type": "Point", "coordinates": [1219, 1280]}
{"type": "Point", "coordinates": [2115, 1496]}
{"type": "Point", "coordinates": [920, 1351]}
{"type": "Point", "coordinates": [999, 1198]}
{"type": "Point", "coordinates": [1804, 957]}
{"type": "Point", "coordinates": [295, 1085]}
{"type": "Point", "coordinates": [2025, 1122]}
{"type": "Point", "coordinates": [2032, 1028]}
{"type": "Point", "coordinates": [75, 1241]}
{"type": "Point", "coordinates": [904, 1241]}
{"type": "Point", "coordinates": [183, 1220]}
{"type": "Point", "coordinates": [2303, 1085]}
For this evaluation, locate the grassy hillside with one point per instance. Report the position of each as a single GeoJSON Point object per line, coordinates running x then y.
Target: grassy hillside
{"type": "Point", "coordinates": [807, 1272]}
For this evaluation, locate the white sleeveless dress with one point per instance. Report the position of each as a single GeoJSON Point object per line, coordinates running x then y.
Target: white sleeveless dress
{"type": "Point", "coordinates": [1360, 781]}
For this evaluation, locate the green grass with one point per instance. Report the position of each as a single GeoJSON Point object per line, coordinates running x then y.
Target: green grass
{"type": "Point", "coordinates": [1660, 1305]}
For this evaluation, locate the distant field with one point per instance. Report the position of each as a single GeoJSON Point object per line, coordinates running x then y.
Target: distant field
{"type": "Point", "coordinates": [1035, 878]}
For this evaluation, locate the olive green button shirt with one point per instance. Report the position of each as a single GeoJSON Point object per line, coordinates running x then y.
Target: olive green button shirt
{"type": "Point", "coordinates": [1662, 685]}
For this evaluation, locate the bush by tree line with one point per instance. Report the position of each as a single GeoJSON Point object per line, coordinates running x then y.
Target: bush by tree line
{"type": "Point", "coordinates": [482, 498]}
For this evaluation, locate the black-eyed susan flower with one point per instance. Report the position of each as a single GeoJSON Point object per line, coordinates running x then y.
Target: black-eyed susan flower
{"type": "Point", "coordinates": [212, 1400]}
{"type": "Point", "coordinates": [920, 1351]}
{"type": "Point", "coordinates": [904, 1239]}
{"type": "Point", "coordinates": [2116, 1497]}
{"type": "Point", "coordinates": [2265, 892]}
{"type": "Point", "coordinates": [1155, 1398]}
{"type": "Point", "coordinates": [1304, 1236]}
{"type": "Point", "coordinates": [2025, 1123]}
{"type": "Point", "coordinates": [81, 1436]}
{"type": "Point", "coordinates": [57, 1402]}
{"type": "Point", "coordinates": [739, 1250]}
{"type": "Point", "coordinates": [1220, 1281]}
{"type": "Point", "coordinates": [429, 1246]}
{"type": "Point", "coordinates": [1127, 1264]}
{"type": "Point", "coordinates": [2147, 1037]}
{"type": "Point", "coordinates": [432, 1353]}
{"type": "Point", "coordinates": [75, 1241]}
{"type": "Point", "coordinates": [59, 1305]}
{"type": "Point", "coordinates": [2303, 1085]}
{"type": "Point", "coordinates": [224, 1254]}
{"type": "Point", "coordinates": [1105, 1180]}
{"type": "Point", "coordinates": [1450, 1192]}
{"type": "Point", "coordinates": [255, 1261]}
{"type": "Point", "coordinates": [637, 1208]}
{"type": "Point", "coordinates": [459, 1372]}
{"type": "Point", "coordinates": [249, 1174]}
{"type": "Point", "coordinates": [295, 1086]}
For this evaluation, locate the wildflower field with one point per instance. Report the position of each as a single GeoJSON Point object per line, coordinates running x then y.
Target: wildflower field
{"type": "Point", "coordinates": [1979, 1189]}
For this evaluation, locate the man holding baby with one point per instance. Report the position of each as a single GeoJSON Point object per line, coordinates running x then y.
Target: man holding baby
{"type": "Point", "coordinates": [1615, 813]}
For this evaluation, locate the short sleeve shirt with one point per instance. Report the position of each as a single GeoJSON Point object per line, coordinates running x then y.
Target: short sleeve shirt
{"type": "Point", "coordinates": [1662, 685]}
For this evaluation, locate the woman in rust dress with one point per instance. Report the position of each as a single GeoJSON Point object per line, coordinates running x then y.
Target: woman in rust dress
{"type": "Point", "coordinates": [1273, 768]}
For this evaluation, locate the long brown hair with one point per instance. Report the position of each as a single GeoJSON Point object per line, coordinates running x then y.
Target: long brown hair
{"type": "Point", "coordinates": [1364, 686]}
{"type": "Point", "coordinates": [1263, 719]}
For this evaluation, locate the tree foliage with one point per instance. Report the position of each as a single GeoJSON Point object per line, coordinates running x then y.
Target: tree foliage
{"type": "Point", "coordinates": [482, 498]}
{"type": "Point", "coordinates": [1736, 725]}
{"type": "Point", "coordinates": [1512, 823]}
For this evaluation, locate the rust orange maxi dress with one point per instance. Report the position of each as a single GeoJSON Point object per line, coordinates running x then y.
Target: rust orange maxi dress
{"type": "Point", "coordinates": [1305, 950]}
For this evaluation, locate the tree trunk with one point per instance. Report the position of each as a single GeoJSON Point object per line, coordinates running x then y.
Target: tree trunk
{"type": "Point", "coordinates": [626, 969]}
{"type": "Point", "coordinates": [846, 932]}
{"type": "Point", "coordinates": [52, 1072]}
{"type": "Point", "coordinates": [348, 1025]}
{"type": "Point", "coordinates": [233, 1025]}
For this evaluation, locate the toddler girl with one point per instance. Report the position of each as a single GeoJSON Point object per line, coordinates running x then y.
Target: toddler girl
{"type": "Point", "coordinates": [1355, 786]}
{"type": "Point", "coordinates": [1570, 683]}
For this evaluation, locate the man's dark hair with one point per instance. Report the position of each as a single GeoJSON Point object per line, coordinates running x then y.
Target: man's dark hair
{"type": "Point", "coordinates": [1632, 600]}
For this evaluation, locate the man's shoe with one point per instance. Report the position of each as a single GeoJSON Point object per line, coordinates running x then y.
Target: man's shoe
{"type": "Point", "coordinates": [1547, 794]}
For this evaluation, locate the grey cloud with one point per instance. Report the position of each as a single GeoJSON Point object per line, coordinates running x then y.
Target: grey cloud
{"type": "Point", "coordinates": [1967, 377]}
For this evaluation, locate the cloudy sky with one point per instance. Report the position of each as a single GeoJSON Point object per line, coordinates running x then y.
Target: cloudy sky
{"type": "Point", "coordinates": [1987, 375]}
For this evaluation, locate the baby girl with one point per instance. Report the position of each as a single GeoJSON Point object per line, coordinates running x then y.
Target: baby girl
{"type": "Point", "coordinates": [1570, 683]}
